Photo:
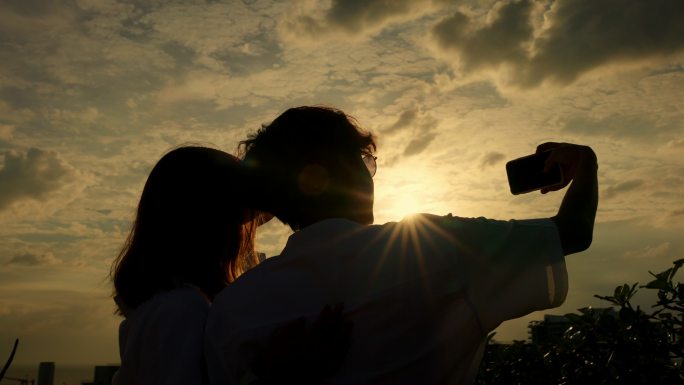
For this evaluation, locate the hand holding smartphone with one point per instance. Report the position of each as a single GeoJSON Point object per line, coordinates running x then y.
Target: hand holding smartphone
{"type": "Point", "coordinates": [527, 174]}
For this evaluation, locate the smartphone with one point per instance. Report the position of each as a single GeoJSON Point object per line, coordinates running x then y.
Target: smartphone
{"type": "Point", "coordinates": [527, 174]}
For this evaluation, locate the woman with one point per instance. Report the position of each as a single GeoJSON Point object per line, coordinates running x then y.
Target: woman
{"type": "Point", "coordinates": [191, 237]}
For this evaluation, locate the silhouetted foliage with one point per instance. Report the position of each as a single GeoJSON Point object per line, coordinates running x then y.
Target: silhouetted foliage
{"type": "Point", "coordinates": [618, 345]}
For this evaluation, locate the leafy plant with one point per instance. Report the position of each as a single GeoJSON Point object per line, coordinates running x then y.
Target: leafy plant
{"type": "Point", "coordinates": [622, 344]}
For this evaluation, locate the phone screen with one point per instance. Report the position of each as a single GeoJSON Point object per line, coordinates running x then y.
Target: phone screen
{"type": "Point", "coordinates": [527, 174]}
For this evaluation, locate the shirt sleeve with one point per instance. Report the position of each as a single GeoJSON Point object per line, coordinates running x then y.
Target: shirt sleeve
{"type": "Point", "coordinates": [509, 268]}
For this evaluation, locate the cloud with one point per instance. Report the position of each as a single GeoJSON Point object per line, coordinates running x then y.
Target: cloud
{"type": "Point", "coordinates": [34, 175]}
{"type": "Point", "coordinates": [563, 39]}
{"type": "Point", "coordinates": [672, 218]}
{"type": "Point", "coordinates": [30, 8]}
{"type": "Point", "coordinates": [418, 145]}
{"type": "Point", "coordinates": [351, 17]}
{"type": "Point", "coordinates": [500, 41]}
{"type": "Point", "coordinates": [491, 159]}
{"type": "Point", "coordinates": [405, 120]}
{"type": "Point", "coordinates": [217, 36]}
{"type": "Point", "coordinates": [6, 131]}
{"type": "Point", "coordinates": [52, 312]}
{"type": "Point", "coordinates": [585, 34]}
{"type": "Point", "coordinates": [482, 95]}
{"type": "Point", "coordinates": [649, 251]}
{"type": "Point", "coordinates": [621, 126]}
{"type": "Point", "coordinates": [676, 143]}
{"type": "Point", "coordinates": [677, 213]}
{"type": "Point", "coordinates": [621, 188]}
{"type": "Point", "coordinates": [669, 69]}
{"type": "Point", "coordinates": [31, 259]}
{"type": "Point", "coordinates": [355, 15]}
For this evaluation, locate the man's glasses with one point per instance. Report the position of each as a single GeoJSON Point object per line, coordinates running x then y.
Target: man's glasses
{"type": "Point", "coordinates": [371, 165]}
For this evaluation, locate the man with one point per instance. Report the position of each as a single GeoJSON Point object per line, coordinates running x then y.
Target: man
{"type": "Point", "coordinates": [422, 293]}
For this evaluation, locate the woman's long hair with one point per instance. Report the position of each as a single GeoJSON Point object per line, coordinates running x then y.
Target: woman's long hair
{"type": "Point", "coordinates": [192, 227]}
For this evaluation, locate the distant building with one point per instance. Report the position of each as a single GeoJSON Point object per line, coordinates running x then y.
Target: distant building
{"type": "Point", "coordinates": [103, 375]}
{"type": "Point", "coordinates": [46, 373]}
{"type": "Point", "coordinates": [553, 327]}
{"type": "Point", "coordinates": [550, 329]}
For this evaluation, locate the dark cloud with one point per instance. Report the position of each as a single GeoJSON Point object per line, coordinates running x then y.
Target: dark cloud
{"type": "Point", "coordinates": [622, 187]}
{"type": "Point", "coordinates": [102, 211]}
{"type": "Point", "coordinates": [30, 8]}
{"type": "Point", "coordinates": [405, 120]}
{"type": "Point", "coordinates": [677, 213]}
{"type": "Point", "coordinates": [581, 35]}
{"type": "Point", "coordinates": [418, 145]}
{"type": "Point", "coordinates": [585, 34]}
{"type": "Point", "coordinates": [671, 69]}
{"type": "Point", "coordinates": [31, 175]}
{"type": "Point", "coordinates": [491, 159]}
{"type": "Point", "coordinates": [624, 126]}
{"type": "Point", "coordinates": [353, 16]}
{"type": "Point", "coordinates": [482, 95]}
{"type": "Point", "coordinates": [31, 259]}
{"type": "Point", "coordinates": [501, 41]}
{"type": "Point", "coordinates": [182, 55]}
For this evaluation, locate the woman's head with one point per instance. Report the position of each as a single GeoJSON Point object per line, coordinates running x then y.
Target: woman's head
{"type": "Point", "coordinates": [192, 226]}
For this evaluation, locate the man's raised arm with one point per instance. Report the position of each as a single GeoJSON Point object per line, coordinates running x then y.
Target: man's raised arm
{"type": "Point", "coordinates": [575, 218]}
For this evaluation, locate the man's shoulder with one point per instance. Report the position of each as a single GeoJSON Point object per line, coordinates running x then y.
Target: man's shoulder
{"type": "Point", "coordinates": [425, 224]}
{"type": "Point", "coordinates": [342, 235]}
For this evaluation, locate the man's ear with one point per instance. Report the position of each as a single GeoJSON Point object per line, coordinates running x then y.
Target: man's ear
{"type": "Point", "coordinates": [313, 180]}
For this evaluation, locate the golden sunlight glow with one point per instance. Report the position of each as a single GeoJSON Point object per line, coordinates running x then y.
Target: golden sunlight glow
{"type": "Point", "coordinates": [402, 206]}
{"type": "Point", "coordinates": [408, 189]}
{"type": "Point", "coordinates": [412, 242]}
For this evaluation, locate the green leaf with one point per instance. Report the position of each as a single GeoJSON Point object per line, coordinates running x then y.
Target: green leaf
{"type": "Point", "coordinates": [657, 284]}
{"type": "Point", "coordinates": [664, 275]}
{"type": "Point", "coordinates": [677, 264]}
{"type": "Point", "coordinates": [616, 292]}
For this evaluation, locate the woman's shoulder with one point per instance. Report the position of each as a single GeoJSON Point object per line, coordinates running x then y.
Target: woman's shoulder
{"type": "Point", "coordinates": [183, 299]}
{"type": "Point", "coordinates": [185, 302]}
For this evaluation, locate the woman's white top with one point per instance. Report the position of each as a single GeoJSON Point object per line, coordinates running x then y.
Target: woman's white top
{"type": "Point", "coordinates": [161, 342]}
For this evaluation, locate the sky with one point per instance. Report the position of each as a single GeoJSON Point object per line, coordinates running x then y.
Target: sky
{"type": "Point", "coordinates": [94, 92]}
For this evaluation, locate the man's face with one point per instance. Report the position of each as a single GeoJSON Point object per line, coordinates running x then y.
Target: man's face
{"type": "Point", "coordinates": [360, 193]}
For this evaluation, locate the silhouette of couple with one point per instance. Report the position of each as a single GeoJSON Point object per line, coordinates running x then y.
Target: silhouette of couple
{"type": "Point", "coordinates": [422, 293]}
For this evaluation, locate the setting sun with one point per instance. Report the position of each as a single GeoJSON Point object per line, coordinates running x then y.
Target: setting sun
{"type": "Point", "coordinates": [405, 206]}
{"type": "Point", "coordinates": [405, 190]}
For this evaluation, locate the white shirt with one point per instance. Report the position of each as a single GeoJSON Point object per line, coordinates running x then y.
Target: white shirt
{"type": "Point", "coordinates": [161, 341]}
{"type": "Point", "coordinates": [423, 293]}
